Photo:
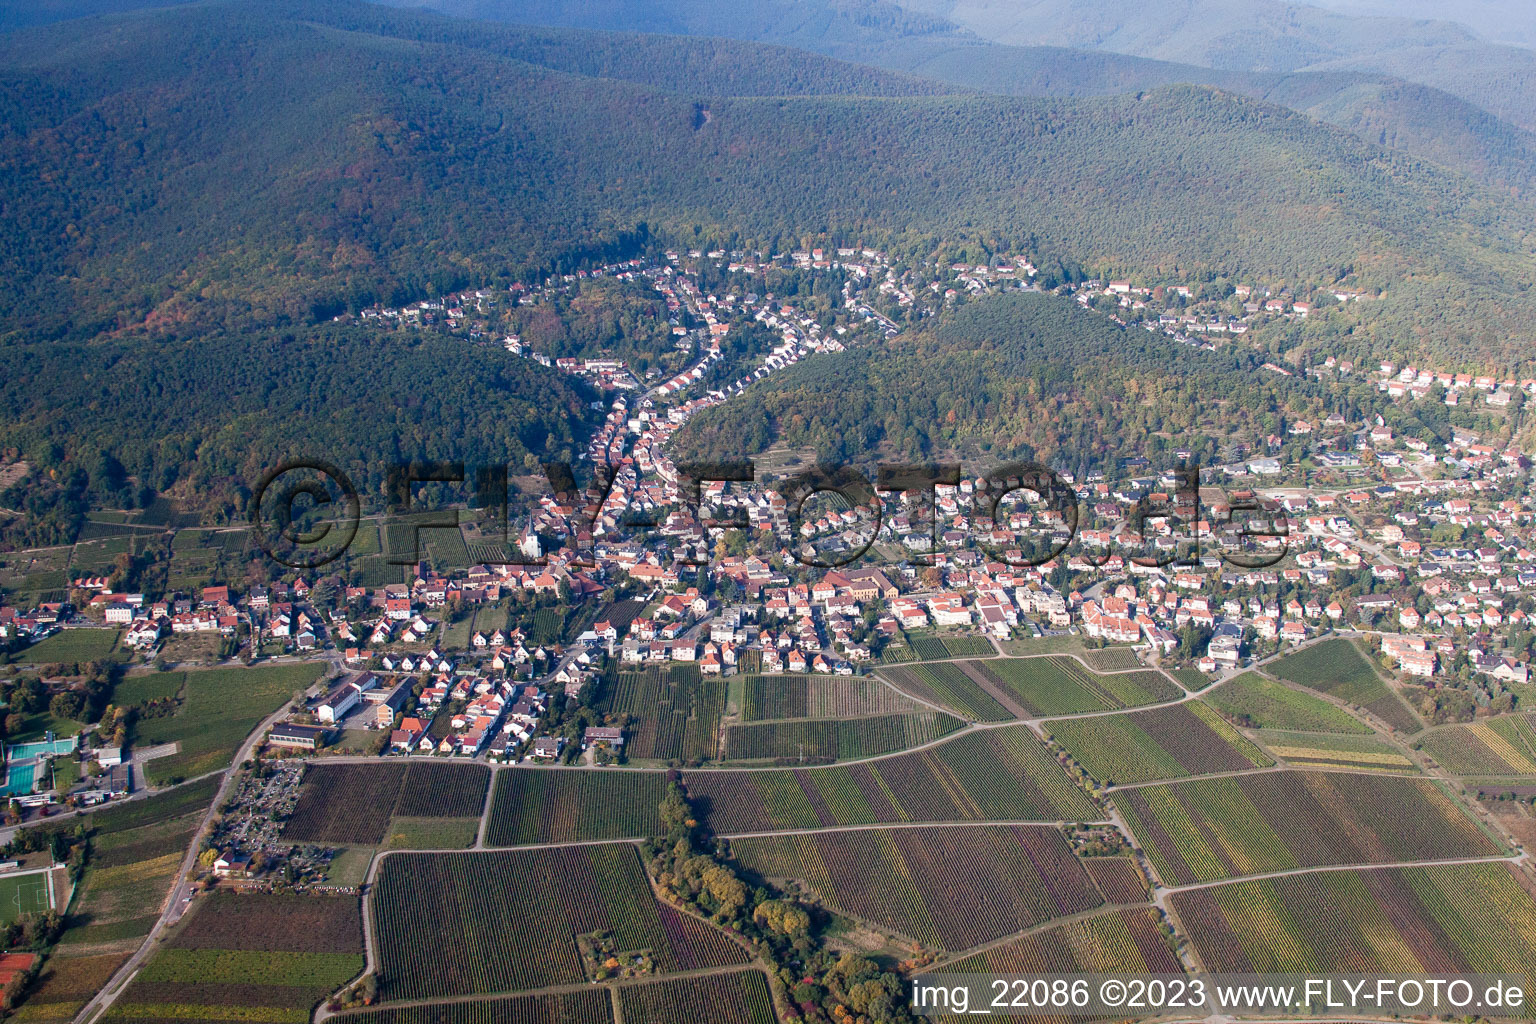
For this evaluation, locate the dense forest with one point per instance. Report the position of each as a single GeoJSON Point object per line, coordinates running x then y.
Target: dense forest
{"type": "Point", "coordinates": [205, 418]}
{"type": "Point", "coordinates": [1016, 376]}
{"type": "Point", "coordinates": [223, 166]}
{"type": "Point", "coordinates": [187, 198]}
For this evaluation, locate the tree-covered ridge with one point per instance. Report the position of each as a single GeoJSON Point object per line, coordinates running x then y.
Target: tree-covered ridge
{"type": "Point", "coordinates": [204, 419]}
{"type": "Point", "coordinates": [223, 165]}
{"type": "Point", "coordinates": [1014, 376]}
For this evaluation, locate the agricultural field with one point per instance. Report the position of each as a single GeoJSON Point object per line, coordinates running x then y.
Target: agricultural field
{"type": "Point", "coordinates": [140, 690]}
{"type": "Point", "coordinates": [354, 803]}
{"type": "Point", "coordinates": [929, 648]}
{"type": "Point", "coordinates": [992, 775]}
{"type": "Point", "coordinates": [1162, 743]}
{"type": "Point", "coordinates": [1505, 745]}
{"type": "Point", "coordinates": [949, 685]}
{"type": "Point", "coordinates": [947, 888]}
{"type": "Point", "coordinates": [1336, 667]}
{"type": "Point", "coordinates": [136, 850]}
{"type": "Point", "coordinates": [65, 984]}
{"type": "Point", "coordinates": [588, 1006]}
{"type": "Point", "coordinates": [1258, 703]}
{"type": "Point", "coordinates": [740, 997]}
{"type": "Point", "coordinates": [72, 646]}
{"type": "Point", "coordinates": [219, 709]}
{"type": "Point", "coordinates": [968, 647]}
{"type": "Point", "coordinates": [249, 957]}
{"type": "Point", "coordinates": [1332, 750]}
{"type": "Point", "coordinates": [836, 739]}
{"type": "Point", "coordinates": [1062, 686]}
{"type": "Point", "coordinates": [677, 711]}
{"type": "Point", "coordinates": [773, 698]}
{"type": "Point", "coordinates": [571, 892]}
{"type": "Point", "coordinates": [1118, 878]}
{"type": "Point", "coordinates": [1442, 920]}
{"type": "Point", "coordinates": [1190, 678]}
{"type": "Point", "coordinates": [1112, 659]}
{"type": "Point", "coordinates": [560, 805]}
{"type": "Point", "coordinates": [1208, 829]}
{"type": "Point", "coordinates": [1117, 941]}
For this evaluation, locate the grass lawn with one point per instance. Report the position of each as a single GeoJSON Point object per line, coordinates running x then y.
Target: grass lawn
{"type": "Point", "coordinates": [66, 772]}
{"type": "Point", "coordinates": [220, 708]}
{"type": "Point", "coordinates": [72, 645]}
{"type": "Point", "coordinates": [431, 833]}
{"type": "Point", "coordinates": [1025, 646]}
{"type": "Point", "coordinates": [350, 866]}
{"type": "Point", "coordinates": [44, 721]}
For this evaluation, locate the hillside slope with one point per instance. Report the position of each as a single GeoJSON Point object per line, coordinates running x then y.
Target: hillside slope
{"type": "Point", "coordinates": [274, 169]}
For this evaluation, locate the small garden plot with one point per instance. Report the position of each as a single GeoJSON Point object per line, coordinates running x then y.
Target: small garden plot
{"type": "Point", "coordinates": [1162, 743]}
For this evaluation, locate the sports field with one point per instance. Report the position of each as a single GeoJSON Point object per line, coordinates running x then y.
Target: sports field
{"type": "Point", "coordinates": [24, 894]}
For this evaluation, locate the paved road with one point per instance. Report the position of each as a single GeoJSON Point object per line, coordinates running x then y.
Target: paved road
{"type": "Point", "coordinates": [176, 903]}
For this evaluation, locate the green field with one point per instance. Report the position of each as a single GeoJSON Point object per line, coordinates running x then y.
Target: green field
{"type": "Point", "coordinates": [23, 894]}
{"type": "Point", "coordinates": [677, 713]}
{"type": "Point", "coordinates": [141, 689]}
{"type": "Point", "coordinates": [1207, 829]}
{"type": "Point", "coordinates": [1505, 745]}
{"type": "Point", "coordinates": [71, 646]}
{"type": "Point", "coordinates": [1336, 667]}
{"type": "Point", "coordinates": [835, 739]}
{"type": "Point", "coordinates": [947, 684]}
{"type": "Point", "coordinates": [1259, 703]}
{"type": "Point", "coordinates": [1161, 743]}
{"type": "Point", "coordinates": [1441, 920]}
{"type": "Point", "coordinates": [220, 708]}
{"type": "Point", "coordinates": [1112, 659]}
{"type": "Point", "coordinates": [419, 899]}
{"type": "Point", "coordinates": [1333, 750]}
{"type": "Point", "coordinates": [772, 698]}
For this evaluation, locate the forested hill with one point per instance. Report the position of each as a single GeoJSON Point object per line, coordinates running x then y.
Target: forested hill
{"type": "Point", "coordinates": [1013, 376]}
{"type": "Point", "coordinates": [223, 164]}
